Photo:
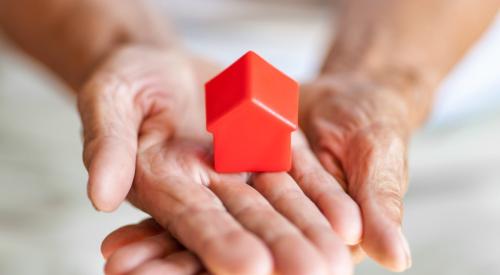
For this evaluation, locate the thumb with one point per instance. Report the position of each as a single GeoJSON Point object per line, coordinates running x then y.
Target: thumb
{"type": "Point", "coordinates": [110, 125]}
{"type": "Point", "coordinates": [377, 173]}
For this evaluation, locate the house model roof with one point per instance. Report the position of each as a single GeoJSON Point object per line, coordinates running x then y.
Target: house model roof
{"type": "Point", "coordinates": [252, 79]}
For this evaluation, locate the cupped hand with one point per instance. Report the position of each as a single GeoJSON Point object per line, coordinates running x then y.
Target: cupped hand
{"type": "Point", "coordinates": [143, 124]}
{"type": "Point", "coordinates": [359, 130]}
{"type": "Point", "coordinates": [145, 248]}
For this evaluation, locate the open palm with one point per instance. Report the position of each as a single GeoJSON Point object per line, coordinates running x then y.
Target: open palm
{"type": "Point", "coordinates": [143, 123]}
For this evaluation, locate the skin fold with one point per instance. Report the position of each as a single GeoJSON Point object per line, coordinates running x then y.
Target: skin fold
{"type": "Point", "coordinates": [140, 95]}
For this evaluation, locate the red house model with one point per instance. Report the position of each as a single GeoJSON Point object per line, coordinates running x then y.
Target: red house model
{"type": "Point", "coordinates": [251, 110]}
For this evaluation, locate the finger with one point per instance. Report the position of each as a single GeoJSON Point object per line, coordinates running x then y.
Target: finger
{"type": "Point", "coordinates": [292, 253]}
{"type": "Point", "coordinates": [378, 179]}
{"type": "Point", "coordinates": [337, 206]}
{"type": "Point", "coordinates": [110, 125]}
{"type": "Point", "coordinates": [128, 234]}
{"type": "Point", "coordinates": [193, 214]}
{"type": "Point", "coordinates": [180, 263]}
{"type": "Point", "coordinates": [357, 254]}
{"type": "Point", "coordinates": [131, 256]}
{"type": "Point", "coordinates": [287, 198]}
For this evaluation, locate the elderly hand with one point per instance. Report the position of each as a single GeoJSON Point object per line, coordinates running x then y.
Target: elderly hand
{"type": "Point", "coordinates": [143, 123]}
{"type": "Point", "coordinates": [135, 244]}
{"type": "Point", "coordinates": [359, 130]}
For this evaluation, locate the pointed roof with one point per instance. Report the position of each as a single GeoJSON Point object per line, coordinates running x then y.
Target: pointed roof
{"type": "Point", "coordinates": [253, 79]}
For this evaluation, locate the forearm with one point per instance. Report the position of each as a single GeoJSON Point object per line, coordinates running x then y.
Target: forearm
{"type": "Point", "coordinates": [411, 44]}
{"type": "Point", "coordinates": [71, 37]}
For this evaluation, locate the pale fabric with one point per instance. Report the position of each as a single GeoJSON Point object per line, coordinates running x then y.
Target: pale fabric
{"type": "Point", "coordinates": [47, 226]}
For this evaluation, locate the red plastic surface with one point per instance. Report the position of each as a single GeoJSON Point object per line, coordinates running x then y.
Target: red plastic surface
{"type": "Point", "coordinates": [251, 110]}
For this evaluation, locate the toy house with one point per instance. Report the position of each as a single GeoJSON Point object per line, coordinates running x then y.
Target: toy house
{"type": "Point", "coordinates": [251, 110]}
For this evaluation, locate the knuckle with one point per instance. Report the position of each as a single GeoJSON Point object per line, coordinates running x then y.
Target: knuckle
{"type": "Point", "coordinates": [231, 235]}
{"type": "Point", "coordinates": [250, 210]}
{"type": "Point", "coordinates": [305, 176]}
{"type": "Point", "coordinates": [390, 197]}
{"type": "Point", "coordinates": [288, 196]}
{"type": "Point", "coordinates": [104, 87]}
{"type": "Point", "coordinates": [191, 212]}
{"type": "Point", "coordinates": [312, 229]}
{"type": "Point", "coordinates": [263, 181]}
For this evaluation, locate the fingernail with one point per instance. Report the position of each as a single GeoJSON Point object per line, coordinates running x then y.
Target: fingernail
{"type": "Point", "coordinates": [406, 249]}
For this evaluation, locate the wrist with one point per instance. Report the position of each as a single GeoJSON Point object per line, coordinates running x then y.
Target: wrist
{"type": "Point", "coordinates": [411, 83]}
{"type": "Point", "coordinates": [73, 37]}
{"type": "Point", "coordinates": [94, 56]}
{"type": "Point", "coordinates": [365, 100]}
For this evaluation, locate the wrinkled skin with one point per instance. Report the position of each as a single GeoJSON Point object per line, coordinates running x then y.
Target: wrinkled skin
{"type": "Point", "coordinates": [359, 131]}
{"type": "Point", "coordinates": [359, 135]}
{"type": "Point", "coordinates": [146, 248]}
{"type": "Point", "coordinates": [141, 115]}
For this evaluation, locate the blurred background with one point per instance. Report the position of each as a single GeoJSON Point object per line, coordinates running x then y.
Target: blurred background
{"type": "Point", "coordinates": [452, 219]}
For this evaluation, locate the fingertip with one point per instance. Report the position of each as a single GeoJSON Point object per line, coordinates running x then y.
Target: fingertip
{"type": "Point", "coordinates": [388, 247]}
{"type": "Point", "coordinates": [344, 216]}
{"type": "Point", "coordinates": [107, 245]}
{"type": "Point", "coordinates": [102, 199]}
{"type": "Point", "coordinates": [111, 169]}
{"type": "Point", "coordinates": [333, 249]}
{"type": "Point", "coordinates": [106, 187]}
{"type": "Point", "coordinates": [115, 260]}
{"type": "Point", "coordinates": [383, 239]}
{"type": "Point", "coordinates": [112, 264]}
{"type": "Point", "coordinates": [404, 261]}
{"type": "Point", "coordinates": [131, 256]}
{"type": "Point", "coordinates": [128, 234]}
